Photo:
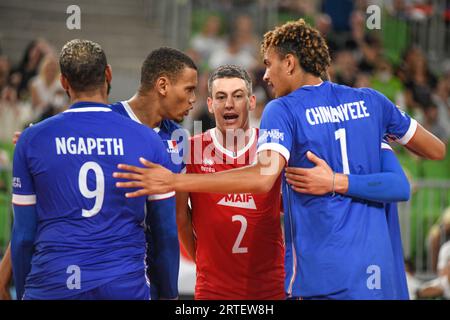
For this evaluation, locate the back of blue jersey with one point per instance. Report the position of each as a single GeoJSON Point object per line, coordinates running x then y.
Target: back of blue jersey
{"type": "Point", "coordinates": [334, 244]}
{"type": "Point", "coordinates": [66, 164]}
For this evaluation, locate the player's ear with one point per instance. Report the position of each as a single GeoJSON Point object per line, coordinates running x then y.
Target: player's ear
{"type": "Point", "coordinates": [209, 101]}
{"type": "Point", "coordinates": [64, 82]}
{"type": "Point", "coordinates": [161, 85]}
{"type": "Point", "coordinates": [252, 103]}
{"type": "Point", "coordinates": [108, 73]}
{"type": "Point", "coordinates": [290, 63]}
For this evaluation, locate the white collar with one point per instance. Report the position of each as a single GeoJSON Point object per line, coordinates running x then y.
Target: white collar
{"type": "Point", "coordinates": [229, 153]}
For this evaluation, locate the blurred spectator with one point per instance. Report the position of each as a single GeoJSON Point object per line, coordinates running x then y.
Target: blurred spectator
{"type": "Point", "coordinates": [46, 89]}
{"type": "Point", "coordinates": [411, 280]}
{"type": "Point", "coordinates": [387, 83]}
{"type": "Point", "coordinates": [245, 34]}
{"type": "Point", "coordinates": [28, 67]}
{"type": "Point", "coordinates": [209, 39]}
{"type": "Point", "coordinates": [4, 72]}
{"type": "Point", "coordinates": [370, 49]}
{"type": "Point", "coordinates": [322, 23]}
{"type": "Point", "coordinates": [261, 101]}
{"type": "Point", "coordinates": [444, 255]}
{"type": "Point", "coordinates": [13, 113]}
{"type": "Point", "coordinates": [439, 233]}
{"type": "Point", "coordinates": [232, 54]}
{"type": "Point", "coordinates": [346, 68]}
{"type": "Point", "coordinates": [340, 12]}
{"type": "Point", "coordinates": [439, 287]}
{"type": "Point", "coordinates": [441, 98]}
{"type": "Point", "coordinates": [362, 80]}
{"type": "Point", "coordinates": [431, 122]}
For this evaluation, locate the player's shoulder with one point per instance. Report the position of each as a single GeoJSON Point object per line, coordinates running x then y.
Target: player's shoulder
{"type": "Point", "coordinates": [170, 125]}
{"type": "Point", "coordinates": [119, 108]}
{"type": "Point", "coordinates": [36, 129]}
{"type": "Point", "coordinates": [204, 136]}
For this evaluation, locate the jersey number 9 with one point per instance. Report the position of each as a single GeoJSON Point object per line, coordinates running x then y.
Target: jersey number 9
{"type": "Point", "coordinates": [98, 193]}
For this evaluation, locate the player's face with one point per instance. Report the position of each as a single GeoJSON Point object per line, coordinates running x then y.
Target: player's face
{"type": "Point", "coordinates": [276, 72]}
{"type": "Point", "coordinates": [230, 103]}
{"type": "Point", "coordinates": [181, 95]}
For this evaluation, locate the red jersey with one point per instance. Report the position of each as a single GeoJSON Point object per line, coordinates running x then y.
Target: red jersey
{"type": "Point", "coordinates": [239, 244]}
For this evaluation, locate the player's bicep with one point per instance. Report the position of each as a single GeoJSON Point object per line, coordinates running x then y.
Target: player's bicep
{"type": "Point", "coordinates": [269, 165]}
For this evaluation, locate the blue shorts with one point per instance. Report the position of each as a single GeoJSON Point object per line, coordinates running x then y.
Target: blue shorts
{"type": "Point", "coordinates": [129, 287]}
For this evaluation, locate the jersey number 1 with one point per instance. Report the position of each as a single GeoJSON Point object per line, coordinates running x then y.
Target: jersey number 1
{"type": "Point", "coordinates": [341, 136]}
{"type": "Point", "coordinates": [98, 193]}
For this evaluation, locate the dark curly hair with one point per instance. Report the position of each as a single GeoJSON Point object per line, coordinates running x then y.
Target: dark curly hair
{"type": "Point", "coordinates": [301, 40]}
{"type": "Point", "coordinates": [164, 62]}
{"type": "Point", "coordinates": [83, 63]}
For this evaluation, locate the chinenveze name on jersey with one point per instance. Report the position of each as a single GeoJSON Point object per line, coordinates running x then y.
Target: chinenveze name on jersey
{"type": "Point", "coordinates": [343, 112]}
{"type": "Point", "coordinates": [88, 146]}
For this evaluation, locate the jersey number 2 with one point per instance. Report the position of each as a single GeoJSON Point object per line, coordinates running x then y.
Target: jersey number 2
{"type": "Point", "coordinates": [98, 193]}
{"type": "Point", "coordinates": [341, 136]}
{"type": "Point", "coordinates": [237, 243]}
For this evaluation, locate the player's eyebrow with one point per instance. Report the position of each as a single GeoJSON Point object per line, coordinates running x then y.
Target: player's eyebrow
{"type": "Point", "coordinates": [234, 92]}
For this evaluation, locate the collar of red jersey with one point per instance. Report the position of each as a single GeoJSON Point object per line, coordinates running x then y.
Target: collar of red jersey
{"type": "Point", "coordinates": [229, 153]}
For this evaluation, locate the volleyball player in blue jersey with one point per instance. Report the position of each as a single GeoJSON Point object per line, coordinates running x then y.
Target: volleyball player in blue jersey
{"type": "Point", "coordinates": [336, 246]}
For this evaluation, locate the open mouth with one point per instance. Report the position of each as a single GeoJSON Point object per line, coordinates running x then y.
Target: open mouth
{"type": "Point", "coordinates": [230, 116]}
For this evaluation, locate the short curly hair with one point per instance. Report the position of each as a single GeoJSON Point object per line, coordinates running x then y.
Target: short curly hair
{"type": "Point", "coordinates": [164, 61]}
{"type": "Point", "coordinates": [301, 40]}
{"type": "Point", "coordinates": [83, 64]}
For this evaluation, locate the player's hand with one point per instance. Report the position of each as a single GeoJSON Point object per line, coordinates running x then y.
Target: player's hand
{"type": "Point", "coordinates": [316, 181]}
{"type": "Point", "coordinates": [16, 136]}
{"type": "Point", "coordinates": [153, 179]}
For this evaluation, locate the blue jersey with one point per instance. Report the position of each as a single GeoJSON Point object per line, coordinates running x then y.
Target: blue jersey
{"type": "Point", "coordinates": [162, 214]}
{"type": "Point", "coordinates": [86, 226]}
{"type": "Point", "coordinates": [336, 246]}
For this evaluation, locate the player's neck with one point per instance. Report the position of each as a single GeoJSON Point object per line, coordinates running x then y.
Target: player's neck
{"type": "Point", "coordinates": [89, 97]}
{"type": "Point", "coordinates": [233, 140]}
{"type": "Point", "coordinates": [145, 110]}
{"type": "Point", "coordinates": [305, 79]}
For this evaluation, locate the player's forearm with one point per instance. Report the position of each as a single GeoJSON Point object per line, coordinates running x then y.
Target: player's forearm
{"type": "Point", "coordinates": [22, 245]}
{"type": "Point", "coordinates": [384, 187]}
{"type": "Point", "coordinates": [426, 145]}
{"type": "Point", "coordinates": [6, 269]}
{"type": "Point", "coordinates": [243, 180]}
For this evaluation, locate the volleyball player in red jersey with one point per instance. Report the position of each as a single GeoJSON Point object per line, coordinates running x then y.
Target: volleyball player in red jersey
{"type": "Point", "coordinates": [235, 239]}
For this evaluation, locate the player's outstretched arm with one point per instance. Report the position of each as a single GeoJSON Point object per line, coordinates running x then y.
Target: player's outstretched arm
{"type": "Point", "coordinates": [154, 179]}
{"type": "Point", "coordinates": [426, 145]}
{"type": "Point", "coordinates": [391, 185]}
{"type": "Point", "coordinates": [184, 224]}
{"type": "Point", "coordinates": [5, 275]}
{"type": "Point", "coordinates": [22, 244]}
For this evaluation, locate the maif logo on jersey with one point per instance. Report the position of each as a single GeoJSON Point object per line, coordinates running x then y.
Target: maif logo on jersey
{"type": "Point", "coordinates": [238, 200]}
{"type": "Point", "coordinates": [172, 146]}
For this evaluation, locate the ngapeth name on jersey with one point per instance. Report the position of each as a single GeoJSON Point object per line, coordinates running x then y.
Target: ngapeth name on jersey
{"type": "Point", "coordinates": [88, 146]}
{"type": "Point", "coordinates": [343, 112]}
